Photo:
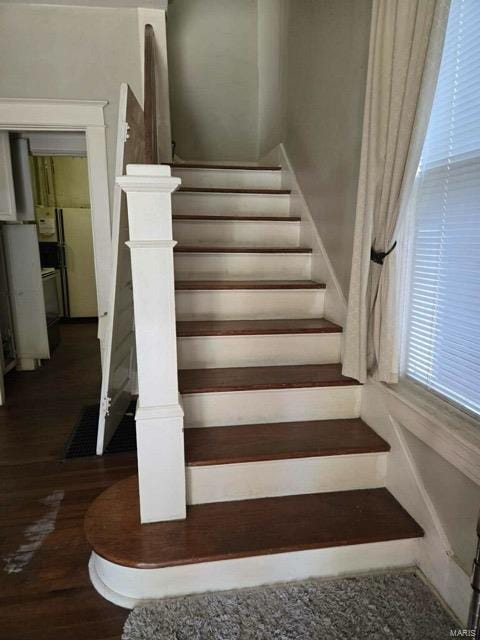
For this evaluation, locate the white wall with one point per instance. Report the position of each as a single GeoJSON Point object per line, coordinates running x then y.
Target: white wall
{"type": "Point", "coordinates": [271, 34]}
{"type": "Point", "coordinates": [212, 46]}
{"type": "Point", "coordinates": [70, 53]}
{"type": "Point", "coordinates": [327, 53]}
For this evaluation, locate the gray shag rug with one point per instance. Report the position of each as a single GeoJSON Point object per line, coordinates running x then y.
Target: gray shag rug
{"type": "Point", "coordinates": [393, 606]}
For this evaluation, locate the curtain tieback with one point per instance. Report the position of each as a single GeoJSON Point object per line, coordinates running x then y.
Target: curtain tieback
{"type": "Point", "coordinates": [379, 256]}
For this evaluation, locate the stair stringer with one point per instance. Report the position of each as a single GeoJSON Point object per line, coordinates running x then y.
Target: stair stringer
{"type": "Point", "coordinates": [434, 555]}
{"type": "Point", "coordinates": [322, 269]}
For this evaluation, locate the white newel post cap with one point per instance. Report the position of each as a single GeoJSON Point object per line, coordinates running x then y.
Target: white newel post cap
{"type": "Point", "coordinates": [148, 178]}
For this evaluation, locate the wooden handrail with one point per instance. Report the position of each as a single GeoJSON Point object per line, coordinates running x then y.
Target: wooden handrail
{"type": "Point", "coordinates": [150, 98]}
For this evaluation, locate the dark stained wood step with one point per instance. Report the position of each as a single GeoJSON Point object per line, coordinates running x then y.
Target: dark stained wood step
{"type": "Point", "coordinates": [268, 192]}
{"type": "Point", "coordinates": [187, 328]}
{"type": "Point", "coordinates": [280, 441]}
{"type": "Point", "coordinates": [223, 530]}
{"type": "Point", "coordinates": [199, 285]}
{"type": "Point", "coordinates": [200, 248]}
{"type": "Point", "coordinates": [243, 167]}
{"type": "Point", "coordinates": [184, 216]}
{"type": "Point", "coordinates": [252, 378]}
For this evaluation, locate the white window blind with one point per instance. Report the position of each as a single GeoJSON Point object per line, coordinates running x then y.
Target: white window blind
{"type": "Point", "coordinates": [443, 346]}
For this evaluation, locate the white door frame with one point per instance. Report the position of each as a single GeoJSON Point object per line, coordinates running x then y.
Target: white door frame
{"type": "Point", "coordinates": [20, 114]}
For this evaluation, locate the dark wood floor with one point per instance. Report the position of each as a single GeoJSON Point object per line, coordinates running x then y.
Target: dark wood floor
{"type": "Point", "coordinates": [45, 591]}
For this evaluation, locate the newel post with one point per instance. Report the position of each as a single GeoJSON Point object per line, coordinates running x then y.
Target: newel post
{"type": "Point", "coordinates": [159, 416]}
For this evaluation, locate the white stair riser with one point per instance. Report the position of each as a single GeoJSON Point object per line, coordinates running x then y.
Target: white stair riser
{"type": "Point", "coordinates": [128, 587]}
{"type": "Point", "coordinates": [270, 478]}
{"type": "Point", "coordinates": [231, 203]}
{"type": "Point", "coordinates": [268, 233]}
{"type": "Point", "coordinates": [270, 405]}
{"type": "Point", "coordinates": [229, 179]}
{"type": "Point", "coordinates": [242, 266]}
{"type": "Point", "coordinates": [201, 352]}
{"type": "Point", "coordinates": [249, 304]}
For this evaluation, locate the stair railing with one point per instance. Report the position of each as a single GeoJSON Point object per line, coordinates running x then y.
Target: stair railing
{"type": "Point", "coordinates": [159, 414]}
{"type": "Point", "coordinates": [150, 97]}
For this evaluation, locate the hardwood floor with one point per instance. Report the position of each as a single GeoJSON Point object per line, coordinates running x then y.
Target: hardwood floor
{"type": "Point", "coordinates": [279, 192]}
{"type": "Point", "coordinates": [45, 592]}
{"type": "Point", "coordinates": [245, 167]}
{"type": "Point", "coordinates": [254, 327]}
{"type": "Point", "coordinates": [280, 441]}
{"type": "Point", "coordinates": [181, 248]}
{"type": "Point", "coordinates": [250, 378]}
{"type": "Point", "coordinates": [186, 216]}
{"type": "Point", "coordinates": [218, 285]}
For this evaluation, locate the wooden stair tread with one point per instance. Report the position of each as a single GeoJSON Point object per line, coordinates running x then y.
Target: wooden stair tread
{"type": "Point", "coordinates": [185, 216]}
{"type": "Point", "coordinates": [199, 285]}
{"type": "Point", "coordinates": [223, 530]}
{"type": "Point", "coordinates": [200, 248]}
{"type": "Point", "coordinates": [271, 377]}
{"type": "Point", "coordinates": [280, 441]}
{"type": "Point", "coordinates": [243, 167]}
{"type": "Point", "coordinates": [269, 192]}
{"type": "Point", "coordinates": [187, 328]}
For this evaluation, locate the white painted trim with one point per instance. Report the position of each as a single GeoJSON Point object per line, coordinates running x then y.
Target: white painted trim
{"type": "Point", "coordinates": [159, 423]}
{"type": "Point", "coordinates": [36, 114]}
{"type": "Point", "coordinates": [20, 114]}
{"type": "Point", "coordinates": [151, 244]}
{"type": "Point", "coordinates": [435, 557]}
{"type": "Point", "coordinates": [147, 184]}
{"type": "Point", "coordinates": [449, 432]}
{"type": "Point", "coordinates": [216, 409]}
{"type": "Point", "coordinates": [128, 587]}
{"type": "Point", "coordinates": [322, 268]}
{"type": "Point", "coordinates": [121, 4]}
{"type": "Point", "coordinates": [286, 477]}
{"type": "Point", "coordinates": [199, 352]}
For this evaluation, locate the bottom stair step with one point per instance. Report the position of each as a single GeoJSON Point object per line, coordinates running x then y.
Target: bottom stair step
{"type": "Point", "coordinates": [239, 529]}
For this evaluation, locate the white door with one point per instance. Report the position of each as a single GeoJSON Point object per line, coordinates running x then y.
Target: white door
{"type": "Point", "coordinates": [119, 340]}
{"type": "Point", "coordinates": [22, 258]}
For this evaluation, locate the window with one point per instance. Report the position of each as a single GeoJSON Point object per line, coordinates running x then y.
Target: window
{"type": "Point", "coordinates": [443, 335]}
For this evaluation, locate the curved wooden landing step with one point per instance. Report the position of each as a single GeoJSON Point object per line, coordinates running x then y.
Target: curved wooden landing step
{"type": "Point", "coordinates": [201, 248]}
{"type": "Point", "coordinates": [255, 378]}
{"type": "Point", "coordinates": [189, 328]}
{"type": "Point", "coordinates": [223, 530]}
{"type": "Point", "coordinates": [261, 192]}
{"type": "Point", "coordinates": [280, 441]}
{"type": "Point", "coordinates": [202, 285]}
{"type": "Point", "coordinates": [242, 167]}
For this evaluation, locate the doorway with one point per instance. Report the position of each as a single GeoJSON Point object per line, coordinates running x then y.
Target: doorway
{"type": "Point", "coordinates": [48, 256]}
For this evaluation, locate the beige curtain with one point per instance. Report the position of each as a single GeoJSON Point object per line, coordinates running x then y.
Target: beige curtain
{"type": "Point", "coordinates": [406, 42]}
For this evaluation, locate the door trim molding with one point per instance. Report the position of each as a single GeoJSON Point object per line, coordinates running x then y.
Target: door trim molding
{"type": "Point", "coordinates": [21, 114]}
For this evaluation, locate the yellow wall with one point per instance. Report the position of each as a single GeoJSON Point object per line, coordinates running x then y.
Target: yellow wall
{"type": "Point", "coordinates": [71, 182]}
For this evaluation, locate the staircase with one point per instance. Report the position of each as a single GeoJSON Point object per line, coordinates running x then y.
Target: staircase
{"type": "Point", "coordinates": [283, 479]}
